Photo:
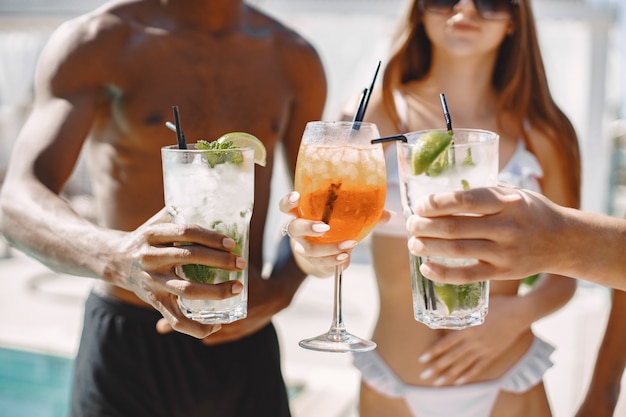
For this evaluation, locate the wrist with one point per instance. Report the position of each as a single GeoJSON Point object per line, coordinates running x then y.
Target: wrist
{"type": "Point", "coordinates": [287, 271]}
{"type": "Point", "coordinates": [292, 271]}
{"type": "Point", "coordinates": [581, 243]}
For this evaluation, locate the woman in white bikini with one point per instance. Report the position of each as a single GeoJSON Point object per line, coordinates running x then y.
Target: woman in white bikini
{"type": "Point", "coordinates": [484, 55]}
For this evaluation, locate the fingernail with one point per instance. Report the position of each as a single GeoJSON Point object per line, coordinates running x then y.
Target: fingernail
{"type": "Point", "coordinates": [460, 381]}
{"type": "Point", "coordinates": [348, 244]}
{"type": "Point", "coordinates": [416, 246]}
{"type": "Point", "coordinates": [409, 223]}
{"type": "Point", "coordinates": [420, 204]}
{"type": "Point", "coordinates": [228, 243]}
{"type": "Point", "coordinates": [294, 197]}
{"type": "Point", "coordinates": [320, 227]}
{"type": "Point", "coordinates": [439, 381]}
{"type": "Point", "coordinates": [240, 262]}
{"type": "Point", "coordinates": [237, 287]}
{"type": "Point", "coordinates": [426, 374]}
{"type": "Point", "coordinates": [424, 358]}
{"type": "Point", "coordinates": [342, 257]}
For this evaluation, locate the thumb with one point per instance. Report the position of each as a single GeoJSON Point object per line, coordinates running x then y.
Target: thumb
{"type": "Point", "coordinates": [163, 326]}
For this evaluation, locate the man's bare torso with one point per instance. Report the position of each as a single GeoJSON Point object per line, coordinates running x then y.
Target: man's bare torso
{"type": "Point", "coordinates": [225, 82]}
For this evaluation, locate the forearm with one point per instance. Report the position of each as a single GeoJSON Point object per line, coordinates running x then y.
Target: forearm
{"type": "Point", "coordinates": [548, 294]}
{"type": "Point", "coordinates": [48, 229]}
{"type": "Point", "coordinates": [287, 270]}
{"type": "Point", "coordinates": [594, 248]}
{"type": "Point", "coordinates": [611, 359]}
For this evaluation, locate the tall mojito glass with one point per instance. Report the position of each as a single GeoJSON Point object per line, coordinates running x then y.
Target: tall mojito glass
{"type": "Point", "coordinates": [436, 161]}
{"type": "Point", "coordinates": [213, 189]}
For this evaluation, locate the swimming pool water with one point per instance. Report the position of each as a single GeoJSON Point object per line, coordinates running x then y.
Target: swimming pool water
{"type": "Point", "coordinates": [38, 385]}
{"type": "Point", "coordinates": [34, 384]}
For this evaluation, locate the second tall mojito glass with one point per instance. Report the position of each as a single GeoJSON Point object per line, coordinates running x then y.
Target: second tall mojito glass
{"type": "Point", "coordinates": [434, 161]}
{"type": "Point", "coordinates": [213, 189]}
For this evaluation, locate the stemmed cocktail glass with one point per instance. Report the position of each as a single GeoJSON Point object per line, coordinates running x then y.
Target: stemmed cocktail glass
{"type": "Point", "coordinates": [340, 176]}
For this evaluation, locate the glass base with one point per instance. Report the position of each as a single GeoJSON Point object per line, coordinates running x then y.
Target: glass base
{"type": "Point", "coordinates": [200, 311]}
{"type": "Point", "coordinates": [338, 341]}
{"type": "Point", "coordinates": [435, 321]}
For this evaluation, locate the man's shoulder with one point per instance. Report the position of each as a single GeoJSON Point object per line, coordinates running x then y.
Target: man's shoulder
{"type": "Point", "coordinates": [99, 26]}
{"type": "Point", "coordinates": [74, 38]}
{"type": "Point", "coordinates": [96, 36]}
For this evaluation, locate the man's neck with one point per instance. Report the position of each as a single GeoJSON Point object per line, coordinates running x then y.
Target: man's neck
{"type": "Point", "coordinates": [215, 16]}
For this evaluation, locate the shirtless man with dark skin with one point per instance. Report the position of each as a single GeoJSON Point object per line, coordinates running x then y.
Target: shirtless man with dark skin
{"type": "Point", "coordinates": [106, 83]}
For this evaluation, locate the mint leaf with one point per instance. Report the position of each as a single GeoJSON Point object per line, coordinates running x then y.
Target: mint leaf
{"type": "Point", "coordinates": [215, 158]}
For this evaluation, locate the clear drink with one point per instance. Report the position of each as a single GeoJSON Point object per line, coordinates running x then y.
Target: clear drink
{"type": "Point", "coordinates": [470, 161]}
{"type": "Point", "coordinates": [213, 189]}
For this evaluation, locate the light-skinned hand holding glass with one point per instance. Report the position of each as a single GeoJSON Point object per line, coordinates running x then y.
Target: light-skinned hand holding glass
{"type": "Point", "coordinates": [519, 233]}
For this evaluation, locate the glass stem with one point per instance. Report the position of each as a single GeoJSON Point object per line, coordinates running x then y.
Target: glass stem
{"type": "Point", "coordinates": [337, 325]}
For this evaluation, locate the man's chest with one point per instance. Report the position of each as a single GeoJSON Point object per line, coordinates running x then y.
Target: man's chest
{"type": "Point", "coordinates": [217, 89]}
{"type": "Point", "coordinates": [206, 111]}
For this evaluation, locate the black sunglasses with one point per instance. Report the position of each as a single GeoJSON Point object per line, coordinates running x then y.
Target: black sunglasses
{"type": "Point", "coordinates": [487, 9]}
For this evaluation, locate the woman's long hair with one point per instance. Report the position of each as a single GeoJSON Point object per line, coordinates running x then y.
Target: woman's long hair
{"type": "Point", "coordinates": [519, 79]}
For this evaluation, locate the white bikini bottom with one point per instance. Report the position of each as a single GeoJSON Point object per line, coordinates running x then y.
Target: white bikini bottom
{"type": "Point", "coordinates": [471, 400]}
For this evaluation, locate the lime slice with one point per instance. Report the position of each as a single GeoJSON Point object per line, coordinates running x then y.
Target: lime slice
{"type": "Point", "coordinates": [448, 295]}
{"type": "Point", "coordinates": [427, 148]}
{"type": "Point", "coordinates": [246, 140]}
{"type": "Point", "coordinates": [459, 297]}
{"type": "Point", "coordinates": [440, 164]}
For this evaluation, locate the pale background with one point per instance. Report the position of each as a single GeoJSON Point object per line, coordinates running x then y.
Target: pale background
{"type": "Point", "coordinates": [584, 52]}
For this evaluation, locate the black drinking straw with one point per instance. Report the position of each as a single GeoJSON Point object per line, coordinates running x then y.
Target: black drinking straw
{"type": "Point", "coordinates": [390, 139]}
{"type": "Point", "coordinates": [180, 136]}
{"type": "Point", "coordinates": [360, 106]}
{"type": "Point", "coordinates": [428, 283]}
{"type": "Point", "coordinates": [359, 115]}
{"type": "Point", "coordinates": [368, 92]}
{"type": "Point", "coordinates": [446, 112]}
{"type": "Point", "coordinates": [446, 115]}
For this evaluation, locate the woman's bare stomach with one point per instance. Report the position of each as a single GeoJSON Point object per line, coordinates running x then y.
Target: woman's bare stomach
{"type": "Point", "coordinates": [402, 340]}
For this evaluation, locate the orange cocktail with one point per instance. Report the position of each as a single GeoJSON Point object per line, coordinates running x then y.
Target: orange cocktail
{"type": "Point", "coordinates": [343, 186]}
